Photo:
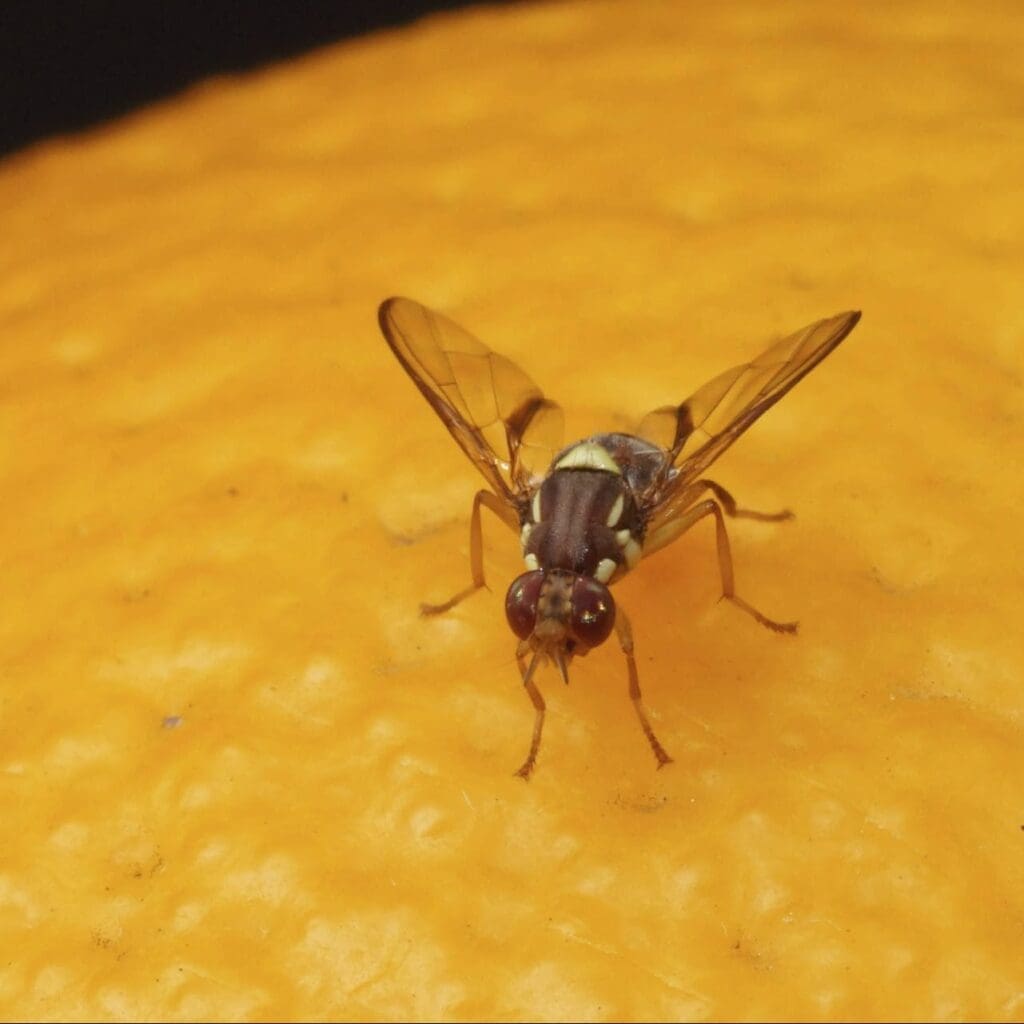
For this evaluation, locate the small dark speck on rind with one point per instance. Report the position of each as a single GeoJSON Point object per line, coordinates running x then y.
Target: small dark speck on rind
{"type": "Point", "coordinates": [883, 583]}
{"type": "Point", "coordinates": [172, 721]}
{"type": "Point", "coordinates": [232, 492]}
{"type": "Point", "coordinates": [647, 804]}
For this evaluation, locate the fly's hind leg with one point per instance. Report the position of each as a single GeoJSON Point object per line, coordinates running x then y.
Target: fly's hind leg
{"type": "Point", "coordinates": [711, 508]}
{"type": "Point", "coordinates": [476, 551]}
{"type": "Point", "coordinates": [625, 633]}
{"type": "Point", "coordinates": [729, 506]}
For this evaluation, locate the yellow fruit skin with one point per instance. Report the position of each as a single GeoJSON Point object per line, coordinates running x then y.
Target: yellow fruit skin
{"type": "Point", "coordinates": [242, 778]}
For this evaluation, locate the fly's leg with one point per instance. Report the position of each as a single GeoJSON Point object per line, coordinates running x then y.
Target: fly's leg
{"type": "Point", "coordinates": [625, 633]}
{"type": "Point", "coordinates": [728, 503]}
{"type": "Point", "coordinates": [476, 551]}
{"type": "Point", "coordinates": [711, 508]}
{"type": "Point", "coordinates": [538, 709]}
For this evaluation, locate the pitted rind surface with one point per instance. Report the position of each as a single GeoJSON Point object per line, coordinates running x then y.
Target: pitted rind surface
{"type": "Point", "coordinates": [242, 778]}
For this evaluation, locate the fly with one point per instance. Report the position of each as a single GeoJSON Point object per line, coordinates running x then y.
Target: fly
{"type": "Point", "coordinates": [587, 514]}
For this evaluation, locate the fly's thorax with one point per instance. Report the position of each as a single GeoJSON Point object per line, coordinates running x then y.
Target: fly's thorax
{"type": "Point", "coordinates": [639, 461]}
{"type": "Point", "coordinates": [583, 518]}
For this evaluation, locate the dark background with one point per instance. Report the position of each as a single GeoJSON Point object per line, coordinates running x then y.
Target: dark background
{"type": "Point", "coordinates": [69, 64]}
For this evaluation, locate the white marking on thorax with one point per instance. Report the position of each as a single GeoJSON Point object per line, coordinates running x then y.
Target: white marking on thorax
{"type": "Point", "coordinates": [531, 562]}
{"type": "Point", "coordinates": [631, 550]}
{"type": "Point", "coordinates": [588, 455]}
{"type": "Point", "coordinates": [616, 513]}
{"type": "Point", "coordinates": [535, 507]}
{"type": "Point", "coordinates": [605, 570]}
{"type": "Point", "coordinates": [524, 535]}
{"type": "Point", "coordinates": [633, 553]}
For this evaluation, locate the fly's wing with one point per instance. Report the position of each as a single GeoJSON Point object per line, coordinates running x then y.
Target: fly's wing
{"type": "Point", "coordinates": [696, 432]}
{"type": "Point", "coordinates": [499, 417]}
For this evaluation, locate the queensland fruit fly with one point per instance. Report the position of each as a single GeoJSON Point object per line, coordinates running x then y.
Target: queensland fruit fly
{"type": "Point", "coordinates": [587, 514]}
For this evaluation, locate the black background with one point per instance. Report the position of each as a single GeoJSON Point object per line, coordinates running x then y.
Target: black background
{"type": "Point", "coordinates": [69, 64]}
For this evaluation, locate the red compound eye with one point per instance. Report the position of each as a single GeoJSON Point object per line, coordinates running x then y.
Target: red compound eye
{"type": "Point", "coordinates": [593, 612]}
{"type": "Point", "coordinates": [521, 602]}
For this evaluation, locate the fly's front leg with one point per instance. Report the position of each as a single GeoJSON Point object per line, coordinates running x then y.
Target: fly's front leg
{"type": "Point", "coordinates": [625, 634]}
{"type": "Point", "coordinates": [711, 508]}
{"type": "Point", "coordinates": [538, 708]}
{"type": "Point", "coordinates": [728, 503]}
{"type": "Point", "coordinates": [476, 551]}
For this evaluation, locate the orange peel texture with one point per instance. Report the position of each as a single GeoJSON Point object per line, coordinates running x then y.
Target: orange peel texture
{"type": "Point", "coordinates": [243, 779]}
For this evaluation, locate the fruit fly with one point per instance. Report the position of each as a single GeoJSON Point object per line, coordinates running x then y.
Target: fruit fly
{"type": "Point", "coordinates": [587, 514]}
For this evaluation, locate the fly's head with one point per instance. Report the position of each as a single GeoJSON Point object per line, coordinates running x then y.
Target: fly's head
{"type": "Point", "coordinates": [559, 614]}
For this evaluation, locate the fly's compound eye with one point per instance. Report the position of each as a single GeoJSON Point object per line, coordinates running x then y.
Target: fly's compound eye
{"type": "Point", "coordinates": [593, 612]}
{"type": "Point", "coordinates": [521, 602]}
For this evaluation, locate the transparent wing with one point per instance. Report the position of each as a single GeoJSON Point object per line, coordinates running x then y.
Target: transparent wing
{"type": "Point", "coordinates": [499, 417]}
{"type": "Point", "coordinates": [696, 432]}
